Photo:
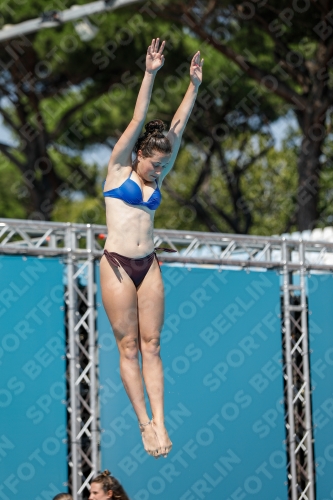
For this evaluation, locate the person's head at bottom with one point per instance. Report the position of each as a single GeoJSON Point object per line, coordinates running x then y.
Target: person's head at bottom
{"type": "Point", "coordinates": [63, 496]}
{"type": "Point", "coordinates": [104, 486]}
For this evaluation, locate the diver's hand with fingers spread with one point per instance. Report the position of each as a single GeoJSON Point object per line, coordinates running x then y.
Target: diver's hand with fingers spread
{"type": "Point", "coordinates": [196, 69]}
{"type": "Point", "coordinates": [155, 57]}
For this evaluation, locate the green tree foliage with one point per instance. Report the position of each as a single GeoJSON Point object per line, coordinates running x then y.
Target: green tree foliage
{"type": "Point", "coordinates": [326, 187]}
{"type": "Point", "coordinates": [255, 190]}
{"type": "Point", "coordinates": [63, 95]}
{"type": "Point", "coordinates": [286, 47]}
{"type": "Point", "coordinates": [10, 187]}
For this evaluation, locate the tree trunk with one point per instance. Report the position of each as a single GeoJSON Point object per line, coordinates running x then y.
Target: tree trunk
{"type": "Point", "coordinates": [43, 183]}
{"type": "Point", "coordinates": [309, 168]}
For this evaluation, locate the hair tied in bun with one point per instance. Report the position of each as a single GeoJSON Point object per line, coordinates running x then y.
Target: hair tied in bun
{"type": "Point", "coordinates": [153, 140]}
{"type": "Point", "coordinates": [155, 127]}
{"type": "Point", "coordinates": [106, 473]}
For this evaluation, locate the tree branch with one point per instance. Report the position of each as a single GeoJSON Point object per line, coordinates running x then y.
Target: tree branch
{"type": "Point", "coordinates": [229, 176]}
{"type": "Point", "coordinates": [233, 183]}
{"type": "Point", "coordinates": [284, 49]}
{"type": "Point", "coordinates": [195, 203]}
{"type": "Point", "coordinates": [255, 158]}
{"type": "Point", "coordinates": [322, 7]}
{"type": "Point", "coordinates": [204, 173]}
{"type": "Point", "coordinates": [219, 211]}
{"type": "Point", "coordinates": [65, 118]}
{"type": "Point", "coordinates": [9, 121]}
{"type": "Point", "coordinates": [6, 116]}
{"type": "Point", "coordinates": [209, 9]}
{"type": "Point", "coordinates": [4, 148]}
{"type": "Point", "coordinates": [282, 89]}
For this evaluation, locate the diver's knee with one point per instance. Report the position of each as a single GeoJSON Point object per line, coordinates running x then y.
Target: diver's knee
{"type": "Point", "coordinates": [151, 346]}
{"type": "Point", "coordinates": [128, 347]}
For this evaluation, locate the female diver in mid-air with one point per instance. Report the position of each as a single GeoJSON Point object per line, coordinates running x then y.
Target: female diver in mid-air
{"type": "Point", "coordinates": [131, 281]}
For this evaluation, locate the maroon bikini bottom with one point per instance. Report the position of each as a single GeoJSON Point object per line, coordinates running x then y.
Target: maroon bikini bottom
{"type": "Point", "coordinates": [135, 268]}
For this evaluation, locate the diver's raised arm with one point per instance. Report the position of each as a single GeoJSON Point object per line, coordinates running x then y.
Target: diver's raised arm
{"type": "Point", "coordinates": [183, 112]}
{"type": "Point", "coordinates": [121, 154]}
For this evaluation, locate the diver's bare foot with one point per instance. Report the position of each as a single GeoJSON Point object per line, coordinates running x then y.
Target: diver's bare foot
{"type": "Point", "coordinates": [165, 444]}
{"type": "Point", "coordinates": [149, 439]}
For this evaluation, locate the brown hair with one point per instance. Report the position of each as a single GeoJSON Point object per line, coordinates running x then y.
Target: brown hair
{"type": "Point", "coordinates": [109, 482]}
{"type": "Point", "coordinates": [63, 496]}
{"type": "Point", "coordinates": [153, 139]}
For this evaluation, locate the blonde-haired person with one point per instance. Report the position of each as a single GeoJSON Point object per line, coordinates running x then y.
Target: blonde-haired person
{"type": "Point", "coordinates": [131, 281]}
{"type": "Point", "coordinates": [63, 496]}
{"type": "Point", "coordinates": [105, 486]}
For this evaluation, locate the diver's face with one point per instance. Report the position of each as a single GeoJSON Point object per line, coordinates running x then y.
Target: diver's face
{"type": "Point", "coordinates": [151, 167]}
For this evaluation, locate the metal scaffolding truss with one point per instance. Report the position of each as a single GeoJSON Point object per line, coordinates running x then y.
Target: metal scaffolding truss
{"type": "Point", "coordinates": [81, 245]}
{"type": "Point", "coordinates": [55, 18]}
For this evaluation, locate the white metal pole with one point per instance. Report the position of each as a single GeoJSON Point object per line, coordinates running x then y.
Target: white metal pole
{"type": "Point", "coordinates": [92, 350]}
{"type": "Point", "coordinates": [290, 405]}
{"type": "Point", "coordinates": [306, 374]}
{"type": "Point", "coordinates": [72, 364]}
{"type": "Point", "coordinates": [60, 17]}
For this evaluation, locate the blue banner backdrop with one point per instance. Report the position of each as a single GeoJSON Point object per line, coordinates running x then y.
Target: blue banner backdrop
{"type": "Point", "coordinates": [33, 452]}
{"type": "Point", "coordinates": [320, 288]}
{"type": "Point", "coordinates": [221, 350]}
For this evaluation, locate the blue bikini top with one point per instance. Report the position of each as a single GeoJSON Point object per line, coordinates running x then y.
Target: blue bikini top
{"type": "Point", "coordinates": [131, 193]}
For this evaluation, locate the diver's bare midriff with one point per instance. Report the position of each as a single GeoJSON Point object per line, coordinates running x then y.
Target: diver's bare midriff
{"type": "Point", "coordinates": [130, 229]}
